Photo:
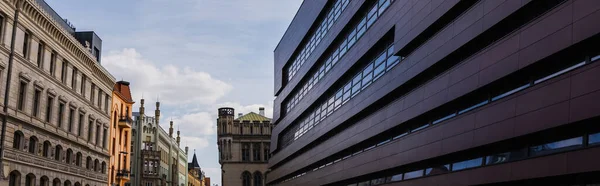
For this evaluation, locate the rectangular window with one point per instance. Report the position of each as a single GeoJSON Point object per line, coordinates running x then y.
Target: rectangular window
{"type": "Point", "coordinates": [90, 129]}
{"type": "Point", "coordinates": [80, 126]}
{"type": "Point", "coordinates": [594, 138]}
{"type": "Point", "coordinates": [557, 146]}
{"type": "Point", "coordinates": [36, 102]}
{"type": "Point", "coordinates": [53, 63]}
{"type": "Point", "coordinates": [106, 98]}
{"type": "Point", "coordinates": [61, 110]}
{"type": "Point", "coordinates": [104, 138]}
{"type": "Point", "coordinates": [467, 164]}
{"type": "Point", "coordinates": [40, 55]}
{"type": "Point", "coordinates": [26, 45]}
{"type": "Point", "coordinates": [63, 72]}
{"type": "Point", "coordinates": [49, 104]}
{"type": "Point", "coordinates": [71, 118]}
{"type": "Point", "coordinates": [245, 152]}
{"type": "Point", "coordinates": [99, 98]}
{"type": "Point", "coordinates": [83, 79]}
{"type": "Point", "coordinates": [74, 79]}
{"type": "Point", "coordinates": [97, 134]}
{"type": "Point", "coordinates": [413, 174]}
{"type": "Point", "coordinates": [506, 157]}
{"type": "Point", "coordinates": [92, 91]}
{"type": "Point", "coordinates": [22, 95]}
{"type": "Point", "coordinates": [256, 152]}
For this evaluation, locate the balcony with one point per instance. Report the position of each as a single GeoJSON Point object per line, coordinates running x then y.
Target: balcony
{"type": "Point", "coordinates": [125, 122]}
{"type": "Point", "coordinates": [151, 154]}
{"type": "Point", "coordinates": [123, 174]}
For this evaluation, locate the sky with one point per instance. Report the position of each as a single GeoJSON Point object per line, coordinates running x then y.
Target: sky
{"type": "Point", "coordinates": [193, 55]}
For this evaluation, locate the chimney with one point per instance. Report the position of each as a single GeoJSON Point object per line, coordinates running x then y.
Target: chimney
{"type": "Point", "coordinates": [240, 114]}
{"type": "Point", "coordinates": [261, 111]}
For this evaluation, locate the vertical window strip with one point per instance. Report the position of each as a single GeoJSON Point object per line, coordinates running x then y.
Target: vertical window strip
{"type": "Point", "coordinates": [349, 40]}
{"type": "Point", "coordinates": [338, 7]}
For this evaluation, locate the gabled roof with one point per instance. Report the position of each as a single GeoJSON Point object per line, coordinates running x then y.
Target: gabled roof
{"type": "Point", "coordinates": [253, 117]}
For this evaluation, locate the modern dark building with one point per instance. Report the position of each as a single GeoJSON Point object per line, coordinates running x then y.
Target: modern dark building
{"type": "Point", "coordinates": [438, 92]}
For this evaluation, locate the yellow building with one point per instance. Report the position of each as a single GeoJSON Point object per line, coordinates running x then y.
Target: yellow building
{"type": "Point", "coordinates": [120, 135]}
{"type": "Point", "coordinates": [193, 179]}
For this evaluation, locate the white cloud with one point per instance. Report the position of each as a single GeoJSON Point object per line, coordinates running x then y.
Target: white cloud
{"type": "Point", "coordinates": [196, 124]}
{"type": "Point", "coordinates": [193, 142]}
{"type": "Point", "coordinates": [174, 85]}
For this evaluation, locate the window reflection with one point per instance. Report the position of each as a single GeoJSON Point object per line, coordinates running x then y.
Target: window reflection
{"type": "Point", "coordinates": [437, 170]}
{"type": "Point", "coordinates": [413, 174]}
{"type": "Point", "coordinates": [556, 146]}
{"type": "Point", "coordinates": [594, 138]}
{"type": "Point", "coordinates": [467, 164]}
{"type": "Point", "coordinates": [505, 157]}
{"type": "Point", "coordinates": [397, 177]}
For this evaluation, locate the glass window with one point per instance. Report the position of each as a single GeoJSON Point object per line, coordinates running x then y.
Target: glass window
{"type": "Point", "coordinates": [473, 107]}
{"type": "Point", "coordinates": [364, 183]}
{"type": "Point", "coordinates": [437, 170]}
{"type": "Point", "coordinates": [506, 157]}
{"type": "Point", "coordinates": [444, 118]}
{"type": "Point", "coordinates": [508, 93]}
{"type": "Point", "coordinates": [419, 128]}
{"type": "Point", "coordinates": [378, 181]}
{"type": "Point", "coordinates": [467, 164]}
{"type": "Point", "coordinates": [556, 146]}
{"type": "Point", "coordinates": [397, 177]}
{"type": "Point", "coordinates": [413, 174]}
{"type": "Point", "coordinates": [594, 138]}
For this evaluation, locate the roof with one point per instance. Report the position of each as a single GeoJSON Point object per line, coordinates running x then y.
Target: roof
{"type": "Point", "coordinates": [121, 88]}
{"type": "Point", "coordinates": [253, 117]}
{"type": "Point", "coordinates": [194, 163]}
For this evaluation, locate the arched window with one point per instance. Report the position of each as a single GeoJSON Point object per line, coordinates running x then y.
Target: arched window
{"type": "Point", "coordinates": [69, 156]}
{"type": "Point", "coordinates": [96, 165]}
{"type": "Point", "coordinates": [33, 141]}
{"type": "Point", "coordinates": [257, 179]}
{"type": "Point", "coordinates": [88, 162]}
{"type": "Point", "coordinates": [18, 140]}
{"type": "Point", "coordinates": [115, 120]}
{"type": "Point", "coordinates": [14, 178]}
{"type": "Point", "coordinates": [30, 180]}
{"type": "Point", "coordinates": [46, 149]}
{"type": "Point", "coordinates": [44, 181]}
{"type": "Point", "coordinates": [77, 184]}
{"type": "Point", "coordinates": [58, 153]}
{"type": "Point", "coordinates": [78, 159]}
{"type": "Point", "coordinates": [56, 182]}
{"type": "Point", "coordinates": [246, 178]}
{"type": "Point", "coordinates": [103, 167]}
{"type": "Point", "coordinates": [67, 183]}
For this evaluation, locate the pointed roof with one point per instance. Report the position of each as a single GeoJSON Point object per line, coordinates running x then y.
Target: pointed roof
{"type": "Point", "coordinates": [253, 117]}
{"type": "Point", "coordinates": [194, 163]}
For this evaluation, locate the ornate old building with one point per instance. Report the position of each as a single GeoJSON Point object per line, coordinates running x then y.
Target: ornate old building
{"type": "Point", "coordinates": [243, 147]}
{"type": "Point", "coordinates": [120, 135]}
{"type": "Point", "coordinates": [55, 97]}
{"type": "Point", "coordinates": [196, 176]}
{"type": "Point", "coordinates": [157, 159]}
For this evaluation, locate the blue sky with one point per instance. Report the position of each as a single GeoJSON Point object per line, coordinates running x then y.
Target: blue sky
{"type": "Point", "coordinates": [195, 55]}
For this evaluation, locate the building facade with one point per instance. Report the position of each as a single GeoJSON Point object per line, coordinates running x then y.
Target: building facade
{"type": "Point", "coordinates": [120, 135]}
{"type": "Point", "coordinates": [438, 92]}
{"type": "Point", "coordinates": [196, 176]}
{"type": "Point", "coordinates": [157, 159]}
{"type": "Point", "coordinates": [56, 105]}
{"type": "Point", "coordinates": [243, 147]}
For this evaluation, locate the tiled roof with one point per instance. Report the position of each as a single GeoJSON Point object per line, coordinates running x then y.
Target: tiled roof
{"type": "Point", "coordinates": [253, 117]}
{"type": "Point", "coordinates": [121, 88]}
